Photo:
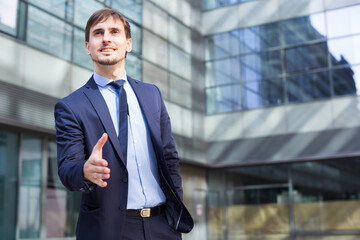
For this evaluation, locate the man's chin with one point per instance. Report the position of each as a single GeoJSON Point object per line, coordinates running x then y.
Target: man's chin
{"type": "Point", "coordinates": [106, 62]}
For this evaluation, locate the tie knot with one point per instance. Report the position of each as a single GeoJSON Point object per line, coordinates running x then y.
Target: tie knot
{"type": "Point", "coordinates": [117, 84]}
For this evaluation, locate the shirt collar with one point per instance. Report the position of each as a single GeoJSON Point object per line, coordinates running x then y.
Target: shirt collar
{"type": "Point", "coordinates": [103, 81]}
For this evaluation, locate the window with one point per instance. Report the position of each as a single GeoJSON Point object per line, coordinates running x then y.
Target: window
{"type": "Point", "coordinates": [9, 155]}
{"type": "Point", "coordinates": [8, 16]}
{"type": "Point", "coordinates": [49, 33]}
{"type": "Point", "coordinates": [30, 187]}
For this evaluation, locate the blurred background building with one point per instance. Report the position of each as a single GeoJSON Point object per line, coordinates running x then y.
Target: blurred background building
{"type": "Point", "coordinates": [263, 97]}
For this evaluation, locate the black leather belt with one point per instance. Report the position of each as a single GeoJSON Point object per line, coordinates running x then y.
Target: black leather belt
{"type": "Point", "coordinates": [146, 212]}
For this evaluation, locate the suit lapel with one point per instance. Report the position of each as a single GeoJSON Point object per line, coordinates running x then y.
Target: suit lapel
{"type": "Point", "coordinates": [93, 94]}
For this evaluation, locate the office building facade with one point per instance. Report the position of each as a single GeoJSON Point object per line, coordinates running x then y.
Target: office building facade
{"type": "Point", "coordinates": [263, 100]}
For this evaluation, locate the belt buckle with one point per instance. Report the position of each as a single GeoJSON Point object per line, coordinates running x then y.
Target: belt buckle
{"type": "Point", "coordinates": [145, 212]}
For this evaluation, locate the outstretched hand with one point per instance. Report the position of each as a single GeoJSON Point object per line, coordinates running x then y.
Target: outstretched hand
{"type": "Point", "coordinates": [95, 168]}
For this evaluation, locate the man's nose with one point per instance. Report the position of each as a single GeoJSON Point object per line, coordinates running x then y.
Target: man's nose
{"type": "Point", "coordinates": [107, 36]}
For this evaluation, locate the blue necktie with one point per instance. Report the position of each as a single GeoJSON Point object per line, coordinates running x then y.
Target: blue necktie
{"type": "Point", "coordinates": [123, 112]}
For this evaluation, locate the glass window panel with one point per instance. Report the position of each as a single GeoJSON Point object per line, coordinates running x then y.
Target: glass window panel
{"type": "Point", "coordinates": [321, 187]}
{"type": "Point", "coordinates": [49, 33]}
{"type": "Point", "coordinates": [222, 72]}
{"type": "Point", "coordinates": [253, 202]}
{"type": "Point", "coordinates": [342, 22]}
{"type": "Point", "coordinates": [9, 157]}
{"type": "Point", "coordinates": [180, 63]}
{"type": "Point", "coordinates": [30, 187]}
{"type": "Point", "coordinates": [61, 8]}
{"type": "Point", "coordinates": [133, 66]}
{"type": "Point", "coordinates": [259, 175]}
{"type": "Point", "coordinates": [180, 91]}
{"type": "Point", "coordinates": [79, 52]}
{"type": "Point", "coordinates": [262, 65]}
{"type": "Point", "coordinates": [344, 81]}
{"type": "Point", "coordinates": [257, 38]}
{"type": "Point", "coordinates": [217, 46]}
{"type": "Point", "coordinates": [158, 76]}
{"type": "Point", "coordinates": [211, 100]}
{"type": "Point", "coordinates": [306, 58]}
{"type": "Point", "coordinates": [304, 29]}
{"type": "Point", "coordinates": [179, 35]}
{"type": "Point", "coordinates": [228, 98]}
{"type": "Point", "coordinates": [62, 206]}
{"type": "Point", "coordinates": [132, 9]}
{"type": "Point", "coordinates": [307, 87]}
{"type": "Point", "coordinates": [136, 38]}
{"type": "Point", "coordinates": [264, 93]}
{"type": "Point", "coordinates": [345, 51]}
{"type": "Point", "coordinates": [8, 16]}
{"type": "Point", "coordinates": [83, 10]}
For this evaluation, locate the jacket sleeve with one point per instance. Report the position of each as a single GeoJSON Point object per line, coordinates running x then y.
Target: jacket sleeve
{"type": "Point", "coordinates": [169, 149]}
{"type": "Point", "coordinates": [70, 148]}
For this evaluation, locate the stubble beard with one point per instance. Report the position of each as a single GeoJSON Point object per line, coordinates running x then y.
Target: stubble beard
{"type": "Point", "coordinates": [109, 62]}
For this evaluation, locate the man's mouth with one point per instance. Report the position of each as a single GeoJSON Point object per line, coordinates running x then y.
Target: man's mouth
{"type": "Point", "coordinates": [107, 49]}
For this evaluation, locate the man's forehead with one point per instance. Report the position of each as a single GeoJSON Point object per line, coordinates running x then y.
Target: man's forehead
{"type": "Point", "coordinates": [110, 22]}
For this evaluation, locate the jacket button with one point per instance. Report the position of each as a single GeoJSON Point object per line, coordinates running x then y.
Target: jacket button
{"type": "Point", "coordinates": [125, 179]}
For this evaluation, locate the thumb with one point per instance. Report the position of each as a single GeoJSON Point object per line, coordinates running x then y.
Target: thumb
{"type": "Point", "coordinates": [97, 150]}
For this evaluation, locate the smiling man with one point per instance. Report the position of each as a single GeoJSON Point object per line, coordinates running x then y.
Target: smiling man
{"type": "Point", "coordinates": [115, 146]}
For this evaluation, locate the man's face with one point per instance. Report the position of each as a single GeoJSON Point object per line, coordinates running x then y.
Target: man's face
{"type": "Point", "coordinates": [107, 42]}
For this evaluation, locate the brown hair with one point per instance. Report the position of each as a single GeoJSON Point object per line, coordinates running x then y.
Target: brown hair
{"type": "Point", "coordinates": [102, 15]}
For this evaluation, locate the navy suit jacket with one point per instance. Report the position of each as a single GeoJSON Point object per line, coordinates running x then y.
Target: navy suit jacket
{"type": "Point", "coordinates": [81, 118]}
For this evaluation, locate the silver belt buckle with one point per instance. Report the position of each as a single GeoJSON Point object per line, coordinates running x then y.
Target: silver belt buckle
{"type": "Point", "coordinates": [145, 212]}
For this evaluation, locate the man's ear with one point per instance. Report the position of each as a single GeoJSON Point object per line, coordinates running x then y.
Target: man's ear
{"type": "Point", "coordinates": [87, 48]}
{"type": "Point", "coordinates": [129, 45]}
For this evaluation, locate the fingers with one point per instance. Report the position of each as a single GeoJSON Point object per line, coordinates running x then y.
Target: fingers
{"type": "Point", "coordinates": [97, 150]}
{"type": "Point", "coordinates": [95, 168]}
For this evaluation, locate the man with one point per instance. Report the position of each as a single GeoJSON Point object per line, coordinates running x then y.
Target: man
{"type": "Point", "coordinates": [115, 145]}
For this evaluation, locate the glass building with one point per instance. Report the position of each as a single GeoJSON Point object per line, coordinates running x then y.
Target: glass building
{"type": "Point", "coordinates": [263, 97]}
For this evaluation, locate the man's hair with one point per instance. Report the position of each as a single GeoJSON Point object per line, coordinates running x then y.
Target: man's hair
{"type": "Point", "coordinates": [102, 15]}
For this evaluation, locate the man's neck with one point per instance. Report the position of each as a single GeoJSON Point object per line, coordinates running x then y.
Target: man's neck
{"type": "Point", "coordinates": [114, 72]}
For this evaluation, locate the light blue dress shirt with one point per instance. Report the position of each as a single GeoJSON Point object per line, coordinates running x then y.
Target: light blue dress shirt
{"type": "Point", "coordinates": [144, 184]}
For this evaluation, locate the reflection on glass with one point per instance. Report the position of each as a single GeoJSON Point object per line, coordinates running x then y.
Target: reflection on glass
{"type": "Point", "coordinates": [8, 16]}
{"type": "Point", "coordinates": [343, 81]}
{"type": "Point", "coordinates": [132, 9]}
{"type": "Point", "coordinates": [136, 38]}
{"type": "Point", "coordinates": [49, 33]}
{"type": "Point", "coordinates": [180, 91]}
{"type": "Point", "coordinates": [344, 51]}
{"type": "Point", "coordinates": [79, 53]}
{"type": "Point", "coordinates": [263, 65]}
{"type": "Point", "coordinates": [222, 71]}
{"type": "Point", "coordinates": [307, 87]}
{"type": "Point", "coordinates": [304, 29]}
{"type": "Point", "coordinates": [9, 155]}
{"type": "Point", "coordinates": [257, 202]}
{"type": "Point", "coordinates": [61, 8]}
{"type": "Point", "coordinates": [211, 100]}
{"type": "Point", "coordinates": [217, 46]}
{"type": "Point", "coordinates": [343, 22]}
{"type": "Point", "coordinates": [257, 38]}
{"type": "Point", "coordinates": [83, 10]}
{"type": "Point", "coordinates": [263, 93]}
{"type": "Point", "coordinates": [306, 58]}
{"type": "Point", "coordinates": [61, 205]}
{"type": "Point", "coordinates": [179, 62]}
{"type": "Point", "coordinates": [30, 187]}
{"type": "Point", "coordinates": [321, 189]}
{"type": "Point", "coordinates": [133, 66]}
{"type": "Point", "coordinates": [228, 98]}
